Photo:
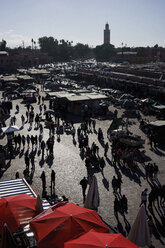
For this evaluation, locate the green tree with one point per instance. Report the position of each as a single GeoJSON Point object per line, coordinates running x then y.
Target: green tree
{"type": "Point", "coordinates": [104, 52]}
{"type": "Point", "coordinates": [3, 45]}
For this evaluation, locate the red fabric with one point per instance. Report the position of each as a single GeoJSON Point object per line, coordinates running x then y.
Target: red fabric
{"type": "Point", "coordinates": [94, 239]}
{"type": "Point", "coordinates": [54, 227]}
{"type": "Point", "coordinates": [16, 211]}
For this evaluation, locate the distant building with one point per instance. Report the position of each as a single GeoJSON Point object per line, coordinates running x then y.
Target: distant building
{"type": "Point", "coordinates": [107, 34]}
{"type": "Point", "coordinates": [10, 62]}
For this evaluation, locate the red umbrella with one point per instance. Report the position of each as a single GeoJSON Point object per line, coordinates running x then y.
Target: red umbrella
{"type": "Point", "coordinates": [57, 225]}
{"type": "Point", "coordinates": [94, 239]}
{"type": "Point", "coordinates": [16, 211]}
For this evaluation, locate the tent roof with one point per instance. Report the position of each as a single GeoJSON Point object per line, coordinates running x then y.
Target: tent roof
{"type": "Point", "coordinates": [157, 123]}
{"type": "Point", "coordinates": [159, 107]}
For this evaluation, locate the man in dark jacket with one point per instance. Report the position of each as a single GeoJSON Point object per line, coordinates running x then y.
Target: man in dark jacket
{"type": "Point", "coordinates": [84, 183]}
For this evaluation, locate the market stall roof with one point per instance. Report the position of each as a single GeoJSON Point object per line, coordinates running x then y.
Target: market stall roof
{"type": "Point", "coordinates": [10, 78]}
{"type": "Point", "coordinates": [96, 96]}
{"type": "Point", "coordinates": [37, 71]}
{"type": "Point", "coordinates": [22, 70]}
{"type": "Point", "coordinates": [77, 96]}
{"type": "Point", "coordinates": [28, 91]}
{"type": "Point", "coordinates": [159, 107]}
{"type": "Point", "coordinates": [157, 123]}
{"type": "Point", "coordinates": [74, 98]}
{"type": "Point", "coordinates": [25, 77]}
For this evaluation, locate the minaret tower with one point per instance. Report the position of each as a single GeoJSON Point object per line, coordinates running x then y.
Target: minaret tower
{"type": "Point", "coordinates": [107, 34]}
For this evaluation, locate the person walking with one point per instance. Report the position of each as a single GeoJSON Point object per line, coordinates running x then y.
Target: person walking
{"type": "Point", "coordinates": [27, 116]}
{"type": "Point", "coordinates": [32, 157]}
{"type": "Point", "coordinates": [52, 181]}
{"type": "Point", "coordinates": [43, 178]}
{"type": "Point", "coordinates": [124, 204]}
{"type": "Point", "coordinates": [102, 163]}
{"type": "Point", "coordinates": [27, 160]}
{"type": "Point", "coordinates": [40, 109]}
{"type": "Point", "coordinates": [155, 171]}
{"type": "Point", "coordinates": [28, 140]}
{"type": "Point", "coordinates": [114, 185]}
{"type": "Point", "coordinates": [84, 183]}
{"type": "Point", "coordinates": [106, 148]}
{"type": "Point", "coordinates": [23, 140]}
{"type": "Point", "coordinates": [93, 124]}
{"type": "Point", "coordinates": [43, 147]}
{"type": "Point", "coordinates": [23, 120]}
{"type": "Point", "coordinates": [14, 119]}
{"type": "Point", "coordinates": [144, 198]}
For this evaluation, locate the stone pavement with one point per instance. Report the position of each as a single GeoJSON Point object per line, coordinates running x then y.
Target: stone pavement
{"type": "Point", "coordinates": [70, 169]}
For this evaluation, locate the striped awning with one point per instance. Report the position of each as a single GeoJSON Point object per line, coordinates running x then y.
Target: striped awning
{"type": "Point", "coordinates": [18, 187]}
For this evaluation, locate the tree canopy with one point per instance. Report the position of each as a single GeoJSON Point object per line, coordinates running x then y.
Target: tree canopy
{"type": "Point", "coordinates": [63, 50]}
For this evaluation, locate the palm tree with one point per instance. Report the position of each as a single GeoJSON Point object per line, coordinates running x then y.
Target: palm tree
{"type": "Point", "coordinates": [32, 42]}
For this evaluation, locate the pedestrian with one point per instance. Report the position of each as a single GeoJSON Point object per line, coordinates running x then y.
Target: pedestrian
{"type": "Point", "coordinates": [17, 175]}
{"type": "Point", "coordinates": [28, 107]}
{"type": "Point", "coordinates": [40, 109]}
{"type": "Point", "coordinates": [39, 99]}
{"type": "Point", "coordinates": [116, 206]}
{"type": "Point", "coordinates": [43, 178]}
{"type": "Point", "coordinates": [40, 139]}
{"type": "Point", "coordinates": [102, 163]}
{"type": "Point", "coordinates": [43, 147]}
{"type": "Point", "coordinates": [144, 197]}
{"type": "Point", "coordinates": [73, 131]}
{"type": "Point", "coordinates": [94, 148]}
{"type": "Point", "coordinates": [45, 107]}
{"type": "Point", "coordinates": [14, 119]}
{"type": "Point", "coordinates": [28, 140]}
{"type": "Point", "coordinates": [32, 140]}
{"type": "Point", "coordinates": [19, 139]}
{"type": "Point", "coordinates": [32, 156]}
{"type": "Point", "coordinates": [37, 119]}
{"type": "Point", "coordinates": [41, 128]}
{"type": "Point", "coordinates": [155, 170]}
{"type": "Point", "coordinates": [23, 120]}
{"type": "Point", "coordinates": [86, 141]}
{"type": "Point", "coordinates": [114, 185]}
{"type": "Point", "coordinates": [97, 150]}
{"type": "Point", "coordinates": [124, 204]}
{"type": "Point", "coordinates": [11, 121]}
{"type": "Point", "coordinates": [27, 160]}
{"type": "Point", "coordinates": [106, 148]}
{"type": "Point", "coordinates": [89, 123]}
{"type": "Point", "coordinates": [36, 140]}
{"type": "Point", "coordinates": [15, 141]}
{"type": "Point", "coordinates": [119, 182]}
{"type": "Point", "coordinates": [17, 108]}
{"type": "Point", "coordinates": [23, 140]}
{"type": "Point", "coordinates": [84, 183]}
{"type": "Point", "coordinates": [31, 123]}
{"type": "Point", "coordinates": [10, 149]}
{"type": "Point", "coordinates": [93, 124]}
{"type": "Point", "coordinates": [27, 116]}
{"type": "Point", "coordinates": [52, 180]}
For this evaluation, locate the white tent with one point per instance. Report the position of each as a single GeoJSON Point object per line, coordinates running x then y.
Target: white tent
{"type": "Point", "coordinates": [10, 129]}
{"type": "Point", "coordinates": [139, 233]}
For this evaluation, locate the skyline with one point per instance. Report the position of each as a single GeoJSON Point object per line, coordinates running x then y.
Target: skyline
{"type": "Point", "coordinates": [132, 22]}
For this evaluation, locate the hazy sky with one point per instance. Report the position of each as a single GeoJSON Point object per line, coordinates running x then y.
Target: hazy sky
{"type": "Point", "coordinates": [133, 22]}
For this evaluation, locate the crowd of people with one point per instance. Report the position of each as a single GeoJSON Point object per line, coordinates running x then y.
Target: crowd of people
{"type": "Point", "coordinates": [93, 159]}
